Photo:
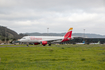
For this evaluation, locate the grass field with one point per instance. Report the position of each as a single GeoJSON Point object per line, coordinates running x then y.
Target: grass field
{"type": "Point", "coordinates": [55, 57]}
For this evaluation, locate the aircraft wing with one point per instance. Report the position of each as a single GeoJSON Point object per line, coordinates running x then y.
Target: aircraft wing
{"type": "Point", "coordinates": [54, 41]}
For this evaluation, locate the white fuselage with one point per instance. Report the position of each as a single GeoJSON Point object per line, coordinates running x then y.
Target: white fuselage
{"type": "Point", "coordinates": [41, 38]}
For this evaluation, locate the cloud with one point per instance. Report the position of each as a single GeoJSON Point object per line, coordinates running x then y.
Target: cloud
{"type": "Point", "coordinates": [58, 15]}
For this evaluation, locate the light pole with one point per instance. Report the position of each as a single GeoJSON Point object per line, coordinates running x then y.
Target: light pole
{"type": "Point", "coordinates": [47, 31]}
{"type": "Point", "coordinates": [84, 33]}
{"type": "Point", "coordinates": [84, 37]}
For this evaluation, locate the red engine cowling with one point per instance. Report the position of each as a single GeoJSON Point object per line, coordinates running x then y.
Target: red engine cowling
{"type": "Point", "coordinates": [44, 42]}
{"type": "Point", "coordinates": [36, 43]}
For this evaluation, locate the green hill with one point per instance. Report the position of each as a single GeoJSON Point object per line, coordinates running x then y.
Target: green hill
{"type": "Point", "coordinates": [8, 33]}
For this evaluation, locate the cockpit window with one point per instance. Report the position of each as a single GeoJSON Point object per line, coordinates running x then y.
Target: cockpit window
{"type": "Point", "coordinates": [23, 38]}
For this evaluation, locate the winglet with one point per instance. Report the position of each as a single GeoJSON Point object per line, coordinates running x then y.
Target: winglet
{"type": "Point", "coordinates": [70, 29]}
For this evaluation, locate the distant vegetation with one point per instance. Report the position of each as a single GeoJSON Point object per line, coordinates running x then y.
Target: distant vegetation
{"type": "Point", "coordinates": [56, 57]}
{"type": "Point", "coordinates": [62, 34]}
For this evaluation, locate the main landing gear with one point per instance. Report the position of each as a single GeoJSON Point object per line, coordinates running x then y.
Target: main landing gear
{"type": "Point", "coordinates": [49, 44]}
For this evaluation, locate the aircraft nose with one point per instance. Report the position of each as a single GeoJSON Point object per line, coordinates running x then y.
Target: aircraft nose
{"type": "Point", "coordinates": [20, 40]}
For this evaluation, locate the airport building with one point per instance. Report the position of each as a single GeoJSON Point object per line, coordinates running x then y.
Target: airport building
{"type": "Point", "coordinates": [81, 40]}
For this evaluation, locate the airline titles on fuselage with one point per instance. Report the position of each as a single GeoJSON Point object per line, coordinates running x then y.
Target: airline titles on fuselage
{"type": "Point", "coordinates": [33, 38]}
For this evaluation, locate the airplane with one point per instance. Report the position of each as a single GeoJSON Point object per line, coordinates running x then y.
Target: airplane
{"type": "Point", "coordinates": [47, 39]}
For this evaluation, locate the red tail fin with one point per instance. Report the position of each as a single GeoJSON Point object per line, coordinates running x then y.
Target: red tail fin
{"type": "Point", "coordinates": [67, 36]}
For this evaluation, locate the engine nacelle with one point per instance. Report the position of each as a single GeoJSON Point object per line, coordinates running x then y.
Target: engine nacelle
{"type": "Point", "coordinates": [36, 43]}
{"type": "Point", "coordinates": [44, 42]}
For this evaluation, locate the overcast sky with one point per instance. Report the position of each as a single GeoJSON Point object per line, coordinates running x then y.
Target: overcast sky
{"type": "Point", "coordinates": [57, 15]}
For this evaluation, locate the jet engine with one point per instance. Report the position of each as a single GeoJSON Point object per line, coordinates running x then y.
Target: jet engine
{"type": "Point", "coordinates": [44, 43]}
